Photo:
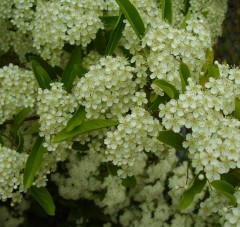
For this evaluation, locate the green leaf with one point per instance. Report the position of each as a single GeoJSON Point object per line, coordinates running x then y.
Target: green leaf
{"type": "Point", "coordinates": [43, 197]}
{"type": "Point", "coordinates": [126, 53]}
{"type": "Point", "coordinates": [129, 182]}
{"type": "Point", "coordinates": [226, 189]}
{"type": "Point", "coordinates": [115, 35]}
{"type": "Point", "coordinates": [184, 74]}
{"type": "Point", "coordinates": [213, 71]}
{"type": "Point", "coordinates": [186, 6]}
{"type": "Point", "coordinates": [69, 74]}
{"type": "Point", "coordinates": [109, 21]}
{"type": "Point", "coordinates": [173, 139]}
{"type": "Point", "coordinates": [18, 120]}
{"type": "Point", "coordinates": [237, 108]}
{"type": "Point", "coordinates": [19, 142]}
{"type": "Point", "coordinates": [168, 88]}
{"type": "Point", "coordinates": [80, 71]}
{"type": "Point", "coordinates": [196, 186]}
{"type": "Point", "coordinates": [86, 126]}
{"type": "Point", "coordinates": [232, 177]}
{"type": "Point", "coordinates": [49, 69]}
{"type": "Point", "coordinates": [112, 169]}
{"type": "Point", "coordinates": [133, 17]}
{"type": "Point", "coordinates": [76, 119]}
{"type": "Point", "coordinates": [154, 106]}
{"type": "Point", "coordinates": [186, 18]}
{"type": "Point", "coordinates": [33, 128]}
{"type": "Point", "coordinates": [41, 75]}
{"type": "Point", "coordinates": [166, 6]}
{"type": "Point", "coordinates": [100, 42]}
{"type": "Point", "coordinates": [33, 163]}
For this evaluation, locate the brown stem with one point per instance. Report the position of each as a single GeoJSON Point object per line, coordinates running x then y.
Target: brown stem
{"type": "Point", "coordinates": [36, 117]}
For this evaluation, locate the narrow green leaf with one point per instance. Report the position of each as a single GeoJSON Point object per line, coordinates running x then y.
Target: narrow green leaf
{"type": "Point", "coordinates": [126, 53]}
{"type": "Point", "coordinates": [213, 71]}
{"type": "Point", "coordinates": [43, 197]}
{"type": "Point", "coordinates": [80, 71]}
{"type": "Point", "coordinates": [154, 106]}
{"type": "Point", "coordinates": [173, 139]}
{"type": "Point", "coordinates": [33, 128]}
{"type": "Point", "coordinates": [33, 163]}
{"type": "Point", "coordinates": [196, 186]}
{"type": "Point", "coordinates": [19, 142]}
{"type": "Point", "coordinates": [76, 119]}
{"type": "Point", "coordinates": [232, 177]}
{"type": "Point", "coordinates": [133, 17]}
{"type": "Point", "coordinates": [186, 18]}
{"type": "Point", "coordinates": [86, 126]}
{"type": "Point", "coordinates": [115, 35]}
{"type": "Point", "coordinates": [69, 74]}
{"type": "Point", "coordinates": [166, 6]}
{"type": "Point", "coordinates": [109, 21]}
{"type": "Point", "coordinates": [184, 75]}
{"type": "Point", "coordinates": [186, 6]}
{"type": "Point", "coordinates": [49, 69]}
{"type": "Point", "coordinates": [168, 88]}
{"type": "Point", "coordinates": [237, 108]}
{"type": "Point", "coordinates": [18, 120]}
{"type": "Point", "coordinates": [226, 189]}
{"type": "Point", "coordinates": [100, 42]}
{"type": "Point", "coordinates": [41, 75]}
{"type": "Point", "coordinates": [129, 182]}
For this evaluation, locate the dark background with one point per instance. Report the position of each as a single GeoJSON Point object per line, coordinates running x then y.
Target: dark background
{"type": "Point", "coordinates": [228, 46]}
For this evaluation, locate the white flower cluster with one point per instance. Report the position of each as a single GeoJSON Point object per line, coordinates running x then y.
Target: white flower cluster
{"type": "Point", "coordinates": [57, 22]}
{"type": "Point", "coordinates": [136, 133]}
{"type": "Point", "coordinates": [17, 91]}
{"type": "Point", "coordinates": [108, 89]}
{"type": "Point", "coordinates": [11, 176]}
{"type": "Point", "coordinates": [170, 46]}
{"type": "Point", "coordinates": [55, 108]}
{"type": "Point", "coordinates": [81, 180]}
{"type": "Point", "coordinates": [212, 12]}
{"type": "Point", "coordinates": [204, 112]}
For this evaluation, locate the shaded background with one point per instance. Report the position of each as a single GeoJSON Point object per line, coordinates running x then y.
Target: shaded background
{"type": "Point", "coordinates": [228, 46]}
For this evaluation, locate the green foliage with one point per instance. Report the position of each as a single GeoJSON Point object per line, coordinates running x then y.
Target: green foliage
{"type": "Point", "coordinates": [129, 182]}
{"type": "Point", "coordinates": [109, 21]}
{"type": "Point", "coordinates": [115, 35]}
{"type": "Point", "coordinates": [166, 6]}
{"type": "Point", "coordinates": [43, 197]}
{"type": "Point", "coordinates": [184, 75]}
{"type": "Point", "coordinates": [76, 119]}
{"type": "Point", "coordinates": [186, 18]}
{"type": "Point", "coordinates": [33, 163]}
{"type": "Point", "coordinates": [133, 17]}
{"type": "Point", "coordinates": [172, 139]}
{"type": "Point", "coordinates": [233, 177]}
{"type": "Point", "coordinates": [186, 6]}
{"type": "Point", "coordinates": [70, 73]}
{"type": "Point", "coordinates": [86, 126]}
{"type": "Point", "coordinates": [52, 72]}
{"type": "Point", "coordinates": [41, 75]}
{"type": "Point", "coordinates": [237, 108]}
{"type": "Point", "coordinates": [168, 88]}
{"type": "Point", "coordinates": [226, 189]}
{"type": "Point", "coordinates": [19, 120]}
{"type": "Point", "coordinates": [195, 187]}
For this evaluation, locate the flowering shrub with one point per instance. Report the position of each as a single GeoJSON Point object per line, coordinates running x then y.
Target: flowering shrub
{"type": "Point", "coordinates": [122, 107]}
